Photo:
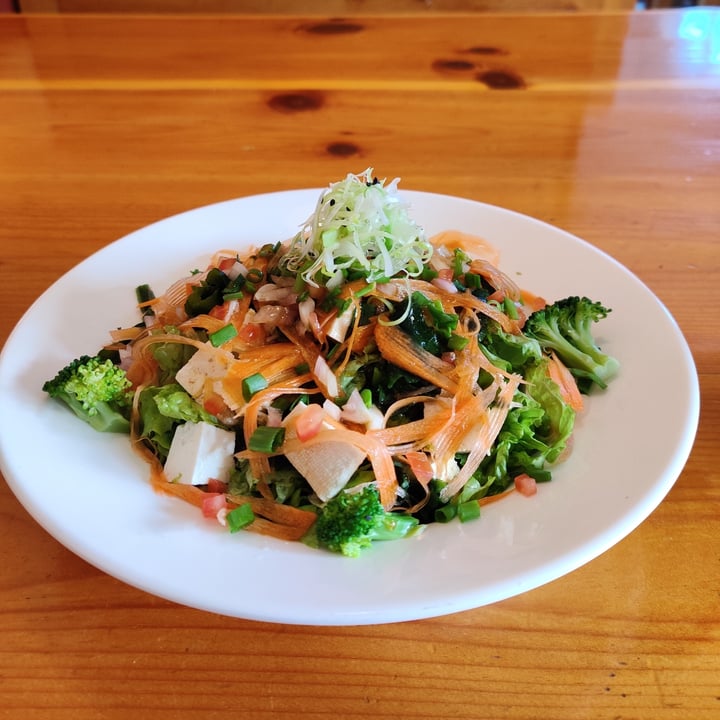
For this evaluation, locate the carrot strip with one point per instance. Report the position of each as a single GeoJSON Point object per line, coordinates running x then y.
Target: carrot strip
{"type": "Point", "coordinates": [472, 244]}
{"type": "Point", "coordinates": [565, 380]}
{"type": "Point", "coordinates": [398, 348]}
{"type": "Point", "coordinates": [495, 415]}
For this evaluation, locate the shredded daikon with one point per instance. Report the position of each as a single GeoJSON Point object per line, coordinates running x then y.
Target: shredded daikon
{"type": "Point", "coordinates": [360, 226]}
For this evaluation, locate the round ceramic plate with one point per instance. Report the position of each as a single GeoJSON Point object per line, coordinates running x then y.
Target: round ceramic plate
{"type": "Point", "coordinates": [91, 492]}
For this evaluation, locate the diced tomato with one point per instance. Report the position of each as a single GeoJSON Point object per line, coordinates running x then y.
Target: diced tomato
{"type": "Point", "coordinates": [252, 334]}
{"type": "Point", "coordinates": [226, 263]}
{"type": "Point", "coordinates": [214, 404]}
{"type": "Point", "coordinates": [212, 504]}
{"type": "Point", "coordinates": [525, 484]}
{"type": "Point", "coordinates": [309, 422]}
{"type": "Point", "coordinates": [421, 466]}
{"type": "Point", "coordinates": [224, 311]}
{"type": "Point", "coordinates": [216, 486]}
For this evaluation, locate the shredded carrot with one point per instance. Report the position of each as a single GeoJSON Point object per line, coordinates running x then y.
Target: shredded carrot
{"type": "Point", "coordinates": [125, 334]}
{"type": "Point", "coordinates": [565, 380]}
{"type": "Point", "coordinates": [490, 499]}
{"type": "Point", "coordinates": [472, 244]}
{"type": "Point", "coordinates": [496, 278]}
{"type": "Point", "coordinates": [399, 349]}
{"type": "Point", "coordinates": [495, 417]}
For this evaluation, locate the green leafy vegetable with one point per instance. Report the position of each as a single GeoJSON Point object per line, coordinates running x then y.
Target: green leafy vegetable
{"type": "Point", "coordinates": [209, 293]}
{"type": "Point", "coordinates": [534, 435]}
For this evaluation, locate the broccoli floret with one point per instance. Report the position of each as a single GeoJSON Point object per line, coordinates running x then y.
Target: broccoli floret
{"type": "Point", "coordinates": [565, 327]}
{"type": "Point", "coordinates": [349, 522]}
{"type": "Point", "coordinates": [96, 390]}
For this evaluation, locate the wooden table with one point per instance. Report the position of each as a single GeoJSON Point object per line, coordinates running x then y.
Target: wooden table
{"type": "Point", "coordinates": [607, 125]}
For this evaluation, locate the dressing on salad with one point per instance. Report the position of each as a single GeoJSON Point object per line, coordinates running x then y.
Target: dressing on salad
{"type": "Point", "coordinates": [353, 383]}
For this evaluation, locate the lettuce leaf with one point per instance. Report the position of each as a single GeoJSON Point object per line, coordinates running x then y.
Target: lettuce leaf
{"type": "Point", "coordinates": [162, 409]}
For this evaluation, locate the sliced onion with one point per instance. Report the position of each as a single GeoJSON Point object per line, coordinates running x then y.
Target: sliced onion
{"type": "Point", "coordinates": [125, 354]}
{"type": "Point", "coordinates": [271, 293]}
{"type": "Point", "coordinates": [443, 284]}
{"type": "Point", "coordinates": [274, 416]}
{"type": "Point", "coordinates": [332, 409]}
{"type": "Point", "coordinates": [305, 308]}
{"type": "Point", "coordinates": [274, 315]}
{"type": "Point", "coordinates": [325, 376]}
{"type": "Point", "coordinates": [235, 270]}
{"type": "Point", "coordinates": [355, 410]}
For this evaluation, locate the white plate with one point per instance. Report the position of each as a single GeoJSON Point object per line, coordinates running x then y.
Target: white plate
{"type": "Point", "coordinates": [91, 492]}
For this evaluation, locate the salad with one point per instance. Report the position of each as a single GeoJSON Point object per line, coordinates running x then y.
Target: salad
{"type": "Point", "coordinates": [351, 384]}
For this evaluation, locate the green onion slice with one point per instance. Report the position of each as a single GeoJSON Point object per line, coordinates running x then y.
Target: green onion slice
{"type": "Point", "coordinates": [266, 439]}
{"type": "Point", "coordinates": [240, 517]}
{"type": "Point", "coordinates": [221, 336]}
{"type": "Point", "coordinates": [252, 384]}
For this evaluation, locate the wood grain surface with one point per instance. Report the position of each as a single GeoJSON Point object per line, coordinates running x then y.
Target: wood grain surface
{"type": "Point", "coordinates": [606, 125]}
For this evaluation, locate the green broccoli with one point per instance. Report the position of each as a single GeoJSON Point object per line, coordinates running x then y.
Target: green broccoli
{"type": "Point", "coordinates": [350, 521]}
{"type": "Point", "coordinates": [565, 327]}
{"type": "Point", "coordinates": [96, 390]}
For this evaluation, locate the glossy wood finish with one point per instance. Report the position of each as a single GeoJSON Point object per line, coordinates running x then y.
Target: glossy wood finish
{"type": "Point", "coordinates": [321, 7]}
{"type": "Point", "coordinates": [603, 124]}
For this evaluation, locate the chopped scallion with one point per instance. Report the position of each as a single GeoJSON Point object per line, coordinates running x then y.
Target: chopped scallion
{"type": "Point", "coordinates": [365, 290]}
{"type": "Point", "coordinates": [252, 384]}
{"type": "Point", "coordinates": [510, 308]}
{"type": "Point", "coordinates": [457, 342]}
{"type": "Point", "coordinates": [267, 250]}
{"type": "Point", "coordinates": [445, 513]}
{"type": "Point", "coordinates": [221, 336]}
{"type": "Point", "coordinates": [472, 281]}
{"type": "Point", "coordinates": [266, 439]}
{"type": "Point", "coordinates": [469, 510]}
{"type": "Point", "coordinates": [240, 517]}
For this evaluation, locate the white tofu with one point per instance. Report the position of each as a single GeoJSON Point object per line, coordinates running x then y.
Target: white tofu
{"type": "Point", "coordinates": [207, 364]}
{"type": "Point", "coordinates": [198, 452]}
{"type": "Point", "coordinates": [327, 465]}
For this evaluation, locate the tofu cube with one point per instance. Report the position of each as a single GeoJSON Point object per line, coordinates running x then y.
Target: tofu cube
{"type": "Point", "coordinates": [207, 365]}
{"type": "Point", "coordinates": [198, 452]}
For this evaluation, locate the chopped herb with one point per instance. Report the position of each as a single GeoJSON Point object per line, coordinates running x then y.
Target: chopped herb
{"type": "Point", "coordinates": [253, 384]}
{"type": "Point", "coordinates": [266, 439]}
{"type": "Point", "coordinates": [240, 517]}
{"type": "Point", "coordinates": [221, 336]}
